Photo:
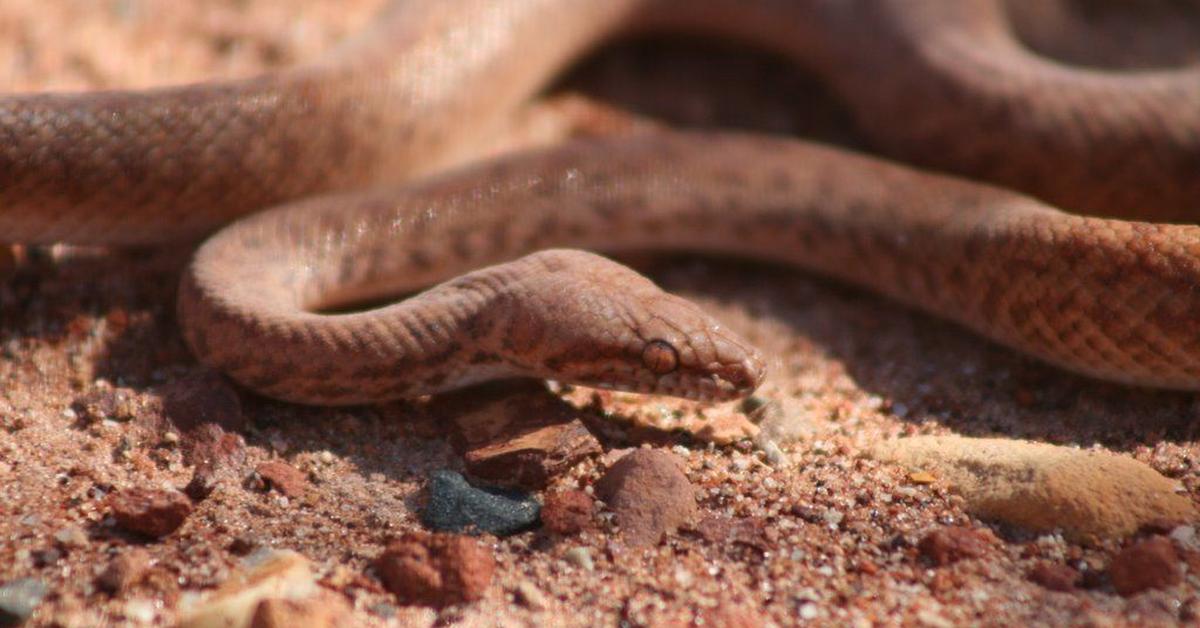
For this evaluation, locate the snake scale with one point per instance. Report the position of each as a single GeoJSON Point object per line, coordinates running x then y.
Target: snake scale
{"type": "Point", "coordinates": [943, 85]}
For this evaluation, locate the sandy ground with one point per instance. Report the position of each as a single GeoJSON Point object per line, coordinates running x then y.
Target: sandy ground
{"type": "Point", "coordinates": [848, 368]}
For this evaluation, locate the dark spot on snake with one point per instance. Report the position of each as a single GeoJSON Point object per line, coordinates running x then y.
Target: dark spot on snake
{"type": "Point", "coordinates": [576, 231]}
{"type": "Point", "coordinates": [780, 181]}
{"type": "Point", "coordinates": [420, 260]}
{"type": "Point", "coordinates": [483, 357]}
{"type": "Point", "coordinates": [436, 380]}
{"type": "Point", "coordinates": [653, 225]}
{"type": "Point", "coordinates": [548, 226]}
{"type": "Point", "coordinates": [498, 238]}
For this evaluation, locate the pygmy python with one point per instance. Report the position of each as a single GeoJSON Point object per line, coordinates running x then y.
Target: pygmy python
{"type": "Point", "coordinates": [942, 84]}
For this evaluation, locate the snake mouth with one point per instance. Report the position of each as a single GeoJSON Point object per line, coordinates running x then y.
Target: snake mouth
{"type": "Point", "coordinates": [706, 388]}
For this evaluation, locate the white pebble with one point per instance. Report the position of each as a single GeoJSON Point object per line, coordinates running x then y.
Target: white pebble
{"type": "Point", "coordinates": [580, 557]}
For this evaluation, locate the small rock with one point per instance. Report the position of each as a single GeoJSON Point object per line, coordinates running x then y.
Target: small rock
{"type": "Point", "coordinates": [283, 477]}
{"type": "Point", "coordinates": [1089, 495]}
{"type": "Point", "coordinates": [202, 398]}
{"type": "Point", "coordinates": [106, 402]}
{"type": "Point", "coordinates": [71, 537]}
{"type": "Point", "coordinates": [154, 513]}
{"type": "Point", "coordinates": [18, 600]}
{"type": "Point", "coordinates": [580, 557]}
{"type": "Point", "coordinates": [650, 495]}
{"type": "Point", "coordinates": [123, 571]}
{"type": "Point", "coordinates": [1149, 564]}
{"type": "Point", "coordinates": [209, 445]}
{"type": "Point", "coordinates": [517, 434]}
{"type": "Point", "coordinates": [269, 574]}
{"type": "Point", "coordinates": [436, 569]}
{"type": "Point", "coordinates": [206, 412]}
{"type": "Point", "coordinates": [532, 597]}
{"type": "Point", "coordinates": [567, 512]}
{"type": "Point", "coordinates": [203, 482]}
{"type": "Point", "coordinates": [455, 506]}
{"type": "Point", "coordinates": [953, 543]}
{"type": "Point", "coordinates": [921, 477]}
{"type": "Point", "coordinates": [47, 556]}
{"type": "Point", "coordinates": [1055, 576]}
{"type": "Point", "coordinates": [243, 545]}
{"type": "Point", "coordinates": [327, 610]}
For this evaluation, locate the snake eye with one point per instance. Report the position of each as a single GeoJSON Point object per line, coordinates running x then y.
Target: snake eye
{"type": "Point", "coordinates": [660, 357]}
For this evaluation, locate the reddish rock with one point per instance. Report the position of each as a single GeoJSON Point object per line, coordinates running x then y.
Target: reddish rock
{"type": "Point", "coordinates": [210, 445]}
{"type": "Point", "coordinates": [953, 543]}
{"type": "Point", "coordinates": [154, 513]}
{"type": "Point", "coordinates": [1055, 576]}
{"type": "Point", "coordinates": [207, 413]}
{"type": "Point", "coordinates": [203, 482]}
{"type": "Point", "coordinates": [202, 398]}
{"type": "Point", "coordinates": [517, 434]}
{"type": "Point", "coordinates": [436, 569]}
{"type": "Point", "coordinates": [567, 512]}
{"type": "Point", "coordinates": [1149, 564]}
{"type": "Point", "coordinates": [650, 495]}
{"type": "Point", "coordinates": [123, 571]}
{"type": "Point", "coordinates": [283, 477]}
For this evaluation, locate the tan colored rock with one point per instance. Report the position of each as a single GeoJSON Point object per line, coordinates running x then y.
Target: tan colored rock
{"type": "Point", "coordinates": [326, 610]}
{"type": "Point", "coordinates": [1089, 495]}
{"type": "Point", "coordinates": [280, 575]}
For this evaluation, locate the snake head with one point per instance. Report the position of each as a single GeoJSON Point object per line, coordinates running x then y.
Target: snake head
{"type": "Point", "coordinates": [580, 318]}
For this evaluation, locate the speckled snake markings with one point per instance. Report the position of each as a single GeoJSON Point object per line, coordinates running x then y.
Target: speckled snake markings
{"type": "Point", "coordinates": [943, 84]}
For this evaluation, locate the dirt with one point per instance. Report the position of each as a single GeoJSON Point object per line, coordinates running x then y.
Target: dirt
{"type": "Point", "coordinates": [829, 537]}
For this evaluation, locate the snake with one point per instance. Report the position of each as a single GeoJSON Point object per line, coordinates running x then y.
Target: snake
{"type": "Point", "coordinates": [351, 180]}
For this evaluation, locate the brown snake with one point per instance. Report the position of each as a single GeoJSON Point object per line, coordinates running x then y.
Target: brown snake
{"type": "Point", "coordinates": [943, 84]}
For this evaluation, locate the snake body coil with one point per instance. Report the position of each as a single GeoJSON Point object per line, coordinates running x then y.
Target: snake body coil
{"type": "Point", "coordinates": [940, 84]}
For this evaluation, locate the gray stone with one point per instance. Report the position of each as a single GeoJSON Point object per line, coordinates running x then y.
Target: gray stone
{"type": "Point", "coordinates": [456, 506]}
{"type": "Point", "coordinates": [18, 600]}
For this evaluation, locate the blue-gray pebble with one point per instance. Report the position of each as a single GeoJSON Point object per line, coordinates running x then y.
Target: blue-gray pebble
{"type": "Point", "coordinates": [456, 506]}
{"type": "Point", "coordinates": [18, 599]}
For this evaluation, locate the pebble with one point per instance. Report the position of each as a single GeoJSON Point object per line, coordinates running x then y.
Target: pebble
{"type": "Point", "coordinates": [71, 537]}
{"type": "Point", "coordinates": [152, 512]}
{"type": "Point", "coordinates": [1055, 576]}
{"type": "Point", "coordinates": [532, 597]}
{"type": "Point", "coordinates": [1090, 495]}
{"type": "Point", "coordinates": [649, 494]}
{"type": "Point", "coordinates": [953, 543]}
{"type": "Point", "coordinates": [206, 412]}
{"type": "Point", "coordinates": [283, 477]}
{"type": "Point", "coordinates": [455, 506]}
{"type": "Point", "coordinates": [18, 600]}
{"type": "Point", "coordinates": [580, 557]}
{"type": "Point", "coordinates": [269, 574]}
{"type": "Point", "coordinates": [123, 571]}
{"type": "Point", "coordinates": [108, 403]}
{"type": "Point", "coordinates": [1149, 564]}
{"type": "Point", "coordinates": [201, 398]}
{"type": "Point", "coordinates": [436, 569]}
{"type": "Point", "coordinates": [568, 512]}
